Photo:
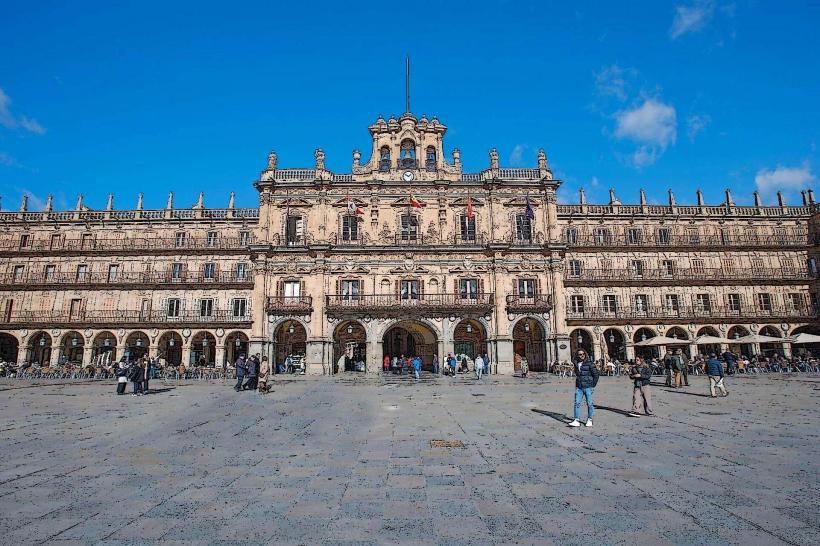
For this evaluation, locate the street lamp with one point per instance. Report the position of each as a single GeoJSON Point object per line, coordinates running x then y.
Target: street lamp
{"type": "Point", "coordinates": [139, 342]}
{"type": "Point", "coordinates": [469, 328]}
{"type": "Point", "coordinates": [580, 338]}
{"type": "Point", "coordinates": [526, 326]}
{"type": "Point", "coordinates": [611, 337]}
{"type": "Point", "coordinates": [42, 342]}
{"type": "Point", "coordinates": [107, 342]}
{"type": "Point", "coordinates": [291, 329]}
{"type": "Point", "coordinates": [643, 336]}
{"type": "Point", "coordinates": [204, 342]}
{"type": "Point", "coordinates": [171, 342]}
{"type": "Point", "coordinates": [349, 329]}
{"type": "Point", "coordinates": [238, 342]}
{"type": "Point", "coordinates": [75, 341]}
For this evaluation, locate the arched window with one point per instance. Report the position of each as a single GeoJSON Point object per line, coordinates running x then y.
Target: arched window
{"type": "Point", "coordinates": [430, 161]}
{"type": "Point", "coordinates": [384, 159]}
{"type": "Point", "coordinates": [407, 160]}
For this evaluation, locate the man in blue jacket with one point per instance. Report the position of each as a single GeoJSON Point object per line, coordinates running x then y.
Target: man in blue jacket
{"type": "Point", "coordinates": [417, 366]}
{"type": "Point", "coordinates": [714, 369]}
{"type": "Point", "coordinates": [586, 378]}
{"type": "Point", "coordinates": [241, 368]}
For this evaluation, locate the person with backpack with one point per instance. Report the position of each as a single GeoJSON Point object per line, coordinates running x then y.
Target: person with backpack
{"type": "Point", "coordinates": [586, 379]}
{"type": "Point", "coordinates": [451, 363]}
{"type": "Point", "coordinates": [241, 369]}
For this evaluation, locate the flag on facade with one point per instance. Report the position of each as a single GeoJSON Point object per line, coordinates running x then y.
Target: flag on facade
{"type": "Point", "coordinates": [530, 212]}
{"type": "Point", "coordinates": [352, 208]}
{"type": "Point", "coordinates": [415, 203]}
{"type": "Point", "coordinates": [470, 213]}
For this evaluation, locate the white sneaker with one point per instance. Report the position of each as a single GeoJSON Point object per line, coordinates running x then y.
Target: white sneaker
{"type": "Point", "coordinates": [589, 423]}
{"type": "Point", "coordinates": [575, 423]}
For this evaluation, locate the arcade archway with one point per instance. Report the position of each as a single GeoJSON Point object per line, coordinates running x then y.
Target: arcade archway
{"type": "Point", "coordinates": [736, 332]}
{"type": "Point", "coordinates": [236, 343]}
{"type": "Point", "coordinates": [469, 338]}
{"type": "Point", "coordinates": [72, 348]}
{"type": "Point", "coordinates": [529, 340]}
{"type": "Point", "coordinates": [615, 344]}
{"type": "Point", "coordinates": [771, 349]}
{"type": "Point", "coordinates": [170, 348]}
{"type": "Point", "coordinates": [580, 339]}
{"type": "Point", "coordinates": [411, 338]}
{"type": "Point", "coordinates": [39, 349]}
{"type": "Point", "coordinates": [708, 348]}
{"type": "Point", "coordinates": [349, 347]}
{"type": "Point", "coordinates": [291, 341]}
{"type": "Point", "coordinates": [642, 334]}
{"type": "Point", "coordinates": [203, 350]}
{"type": "Point", "coordinates": [136, 346]}
{"type": "Point", "coordinates": [104, 348]}
{"type": "Point", "coordinates": [9, 348]}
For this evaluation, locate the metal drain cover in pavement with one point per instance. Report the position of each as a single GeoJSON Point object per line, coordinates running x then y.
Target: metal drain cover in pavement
{"type": "Point", "coordinates": [446, 443]}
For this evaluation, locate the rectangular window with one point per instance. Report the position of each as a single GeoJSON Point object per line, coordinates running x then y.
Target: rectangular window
{"type": "Point", "coordinates": [794, 301]}
{"type": "Point", "coordinates": [672, 303]}
{"type": "Point", "coordinates": [667, 268]}
{"type": "Point", "coordinates": [764, 302]}
{"type": "Point", "coordinates": [75, 308]}
{"type": "Point", "coordinates": [409, 290]}
{"type": "Point", "coordinates": [49, 273]}
{"type": "Point", "coordinates": [113, 272]}
{"type": "Point", "coordinates": [571, 236]}
{"type": "Point", "coordinates": [467, 226]}
{"type": "Point", "coordinates": [350, 290]}
{"type": "Point", "coordinates": [788, 266]}
{"type": "Point", "coordinates": [523, 227]}
{"type": "Point", "coordinates": [757, 265]}
{"type": "Point", "coordinates": [244, 238]}
{"type": "Point", "coordinates": [180, 239]}
{"type": "Point", "coordinates": [19, 270]}
{"type": "Point", "coordinates": [698, 266]}
{"type": "Point", "coordinates": [725, 238]}
{"type": "Point", "coordinates": [603, 237]}
{"type": "Point", "coordinates": [240, 307]}
{"type": "Point", "coordinates": [294, 230]}
{"type": "Point", "coordinates": [576, 304]}
{"type": "Point", "coordinates": [25, 240]}
{"type": "Point", "coordinates": [82, 273]}
{"type": "Point", "coordinates": [610, 303]}
{"type": "Point", "coordinates": [728, 265]}
{"type": "Point", "coordinates": [637, 268]}
{"type": "Point", "coordinates": [575, 268]}
{"type": "Point", "coordinates": [734, 302]}
{"type": "Point", "coordinates": [692, 236]}
{"type": "Point", "coordinates": [641, 303]}
{"type": "Point", "coordinates": [145, 309]}
{"type": "Point", "coordinates": [526, 288]}
{"type": "Point", "coordinates": [173, 307]}
{"type": "Point", "coordinates": [176, 271]}
{"type": "Point", "coordinates": [634, 236]}
{"type": "Point", "coordinates": [209, 270]}
{"type": "Point", "coordinates": [206, 307]}
{"type": "Point", "coordinates": [350, 228]}
{"type": "Point", "coordinates": [703, 303]}
{"type": "Point", "coordinates": [55, 240]}
{"type": "Point", "coordinates": [409, 227]}
{"type": "Point", "coordinates": [7, 311]}
{"type": "Point", "coordinates": [663, 236]}
{"type": "Point", "coordinates": [241, 271]}
{"type": "Point", "coordinates": [292, 291]}
{"type": "Point", "coordinates": [468, 288]}
{"type": "Point", "coordinates": [211, 239]}
{"type": "Point", "coordinates": [87, 241]}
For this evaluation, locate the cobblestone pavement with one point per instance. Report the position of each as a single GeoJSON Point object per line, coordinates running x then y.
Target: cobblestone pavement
{"type": "Point", "coordinates": [330, 461]}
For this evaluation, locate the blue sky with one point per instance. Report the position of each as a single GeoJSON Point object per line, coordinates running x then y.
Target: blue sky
{"type": "Point", "coordinates": [189, 97]}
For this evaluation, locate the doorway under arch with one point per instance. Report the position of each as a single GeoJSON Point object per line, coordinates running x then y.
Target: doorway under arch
{"type": "Point", "coordinates": [615, 344]}
{"type": "Point", "coordinates": [411, 338]}
{"type": "Point", "coordinates": [529, 340]}
{"type": "Point", "coordinates": [290, 341]}
{"type": "Point", "coordinates": [580, 339]}
{"type": "Point", "coordinates": [39, 349]}
{"type": "Point", "coordinates": [349, 347]}
{"type": "Point", "coordinates": [709, 347]}
{"type": "Point", "coordinates": [771, 349]}
{"type": "Point", "coordinates": [104, 348]}
{"type": "Point", "coordinates": [170, 348]}
{"type": "Point", "coordinates": [9, 348]}
{"type": "Point", "coordinates": [72, 348]}
{"type": "Point", "coordinates": [642, 334]}
{"type": "Point", "coordinates": [236, 343]}
{"type": "Point", "coordinates": [469, 338]}
{"type": "Point", "coordinates": [736, 332]}
{"type": "Point", "coordinates": [203, 350]}
{"type": "Point", "coordinates": [136, 346]}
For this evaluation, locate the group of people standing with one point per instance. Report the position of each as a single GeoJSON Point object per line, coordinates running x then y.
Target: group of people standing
{"type": "Point", "coordinates": [252, 374]}
{"type": "Point", "coordinates": [138, 372]}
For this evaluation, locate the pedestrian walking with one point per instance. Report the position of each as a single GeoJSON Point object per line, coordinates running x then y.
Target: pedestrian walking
{"type": "Point", "coordinates": [674, 363]}
{"type": "Point", "coordinates": [525, 366]}
{"type": "Point", "coordinates": [435, 364]}
{"type": "Point", "coordinates": [122, 377]}
{"type": "Point", "coordinates": [253, 373]}
{"type": "Point", "coordinates": [486, 364]}
{"type": "Point", "coordinates": [135, 374]}
{"type": "Point", "coordinates": [264, 372]}
{"type": "Point", "coordinates": [146, 375]}
{"type": "Point", "coordinates": [241, 368]}
{"type": "Point", "coordinates": [641, 375]}
{"type": "Point", "coordinates": [451, 363]}
{"type": "Point", "coordinates": [417, 366]}
{"type": "Point", "coordinates": [714, 369]}
{"type": "Point", "coordinates": [479, 367]}
{"type": "Point", "coordinates": [684, 368]}
{"type": "Point", "coordinates": [731, 360]}
{"type": "Point", "coordinates": [586, 379]}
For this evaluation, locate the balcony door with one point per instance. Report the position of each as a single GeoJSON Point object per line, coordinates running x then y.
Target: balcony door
{"type": "Point", "coordinates": [294, 230]}
{"type": "Point", "coordinates": [409, 290]}
{"type": "Point", "coordinates": [292, 292]}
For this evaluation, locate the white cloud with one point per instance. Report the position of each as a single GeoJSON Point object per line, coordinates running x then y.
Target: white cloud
{"type": "Point", "coordinates": [695, 124]}
{"type": "Point", "coordinates": [7, 160]}
{"type": "Point", "coordinates": [644, 156]}
{"type": "Point", "coordinates": [9, 121]}
{"type": "Point", "coordinates": [786, 179]}
{"type": "Point", "coordinates": [691, 18]}
{"type": "Point", "coordinates": [517, 155]}
{"type": "Point", "coordinates": [611, 82]}
{"type": "Point", "coordinates": [651, 124]}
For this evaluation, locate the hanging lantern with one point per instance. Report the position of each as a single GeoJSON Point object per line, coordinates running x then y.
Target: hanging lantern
{"type": "Point", "coordinates": [107, 342]}
{"type": "Point", "coordinates": [204, 342]}
{"type": "Point", "coordinates": [526, 326]}
{"type": "Point", "coordinates": [291, 329]}
{"type": "Point", "coordinates": [349, 328]}
{"type": "Point", "coordinates": [611, 337]}
{"type": "Point", "coordinates": [674, 336]}
{"type": "Point", "coordinates": [139, 342]}
{"type": "Point", "coordinates": [238, 342]}
{"type": "Point", "coordinates": [469, 328]}
{"type": "Point", "coordinates": [171, 342]}
{"type": "Point", "coordinates": [643, 336]}
{"type": "Point", "coordinates": [75, 341]}
{"type": "Point", "coordinates": [42, 342]}
{"type": "Point", "coordinates": [737, 335]}
{"type": "Point", "coordinates": [580, 339]}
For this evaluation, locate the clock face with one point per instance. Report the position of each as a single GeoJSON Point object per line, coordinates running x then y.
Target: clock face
{"type": "Point", "coordinates": [408, 176]}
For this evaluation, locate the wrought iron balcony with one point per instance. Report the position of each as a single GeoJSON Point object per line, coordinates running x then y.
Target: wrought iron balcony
{"type": "Point", "coordinates": [289, 305]}
{"type": "Point", "coordinates": [652, 239]}
{"type": "Point", "coordinates": [689, 313]}
{"type": "Point", "coordinates": [56, 281]}
{"type": "Point", "coordinates": [529, 304]}
{"type": "Point", "coordinates": [420, 305]}
{"type": "Point", "coordinates": [127, 244]}
{"type": "Point", "coordinates": [110, 318]}
{"type": "Point", "coordinates": [688, 276]}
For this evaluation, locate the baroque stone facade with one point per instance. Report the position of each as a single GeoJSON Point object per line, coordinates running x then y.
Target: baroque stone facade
{"type": "Point", "coordinates": [406, 254]}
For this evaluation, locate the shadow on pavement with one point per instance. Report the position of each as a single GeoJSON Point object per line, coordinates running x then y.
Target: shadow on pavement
{"type": "Point", "coordinates": [557, 416]}
{"type": "Point", "coordinates": [159, 391]}
{"type": "Point", "coordinates": [676, 391]}
{"type": "Point", "coordinates": [613, 410]}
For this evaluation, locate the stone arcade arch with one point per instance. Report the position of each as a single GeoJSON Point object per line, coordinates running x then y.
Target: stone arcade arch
{"type": "Point", "coordinates": [72, 347]}
{"type": "Point", "coordinates": [771, 349]}
{"type": "Point", "coordinates": [236, 343]}
{"type": "Point", "coordinates": [104, 347]}
{"type": "Point", "coordinates": [469, 338]}
{"type": "Point", "coordinates": [9, 348]}
{"type": "Point", "coordinates": [289, 339]}
{"type": "Point", "coordinates": [530, 340]}
{"type": "Point", "coordinates": [170, 348]}
{"type": "Point", "coordinates": [136, 346]}
{"type": "Point", "coordinates": [746, 349]}
{"type": "Point", "coordinates": [39, 348]}
{"type": "Point", "coordinates": [580, 339]}
{"type": "Point", "coordinates": [615, 343]}
{"type": "Point", "coordinates": [411, 338]}
{"type": "Point", "coordinates": [710, 348]}
{"type": "Point", "coordinates": [642, 334]}
{"type": "Point", "coordinates": [203, 350]}
{"type": "Point", "coordinates": [349, 346]}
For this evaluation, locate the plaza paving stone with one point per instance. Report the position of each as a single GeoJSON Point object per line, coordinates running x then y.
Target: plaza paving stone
{"type": "Point", "coordinates": [350, 461]}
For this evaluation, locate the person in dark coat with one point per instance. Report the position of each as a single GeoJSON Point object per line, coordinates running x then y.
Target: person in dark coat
{"type": "Point", "coordinates": [714, 369]}
{"type": "Point", "coordinates": [586, 378]}
{"type": "Point", "coordinates": [253, 374]}
{"type": "Point", "coordinates": [641, 375]}
{"type": "Point", "coordinates": [241, 369]}
{"type": "Point", "coordinates": [136, 375]}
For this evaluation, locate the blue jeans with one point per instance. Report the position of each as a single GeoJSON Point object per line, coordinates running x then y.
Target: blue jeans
{"type": "Point", "coordinates": [579, 394]}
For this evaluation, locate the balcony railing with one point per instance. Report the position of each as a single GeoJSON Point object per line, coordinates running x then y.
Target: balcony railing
{"type": "Point", "coordinates": [690, 313]}
{"type": "Point", "coordinates": [535, 304]}
{"type": "Point", "coordinates": [700, 276]}
{"type": "Point", "coordinates": [676, 240]}
{"type": "Point", "coordinates": [110, 317]}
{"type": "Point", "coordinates": [289, 305]}
{"type": "Point", "coordinates": [171, 244]}
{"type": "Point", "coordinates": [426, 304]}
{"type": "Point", "coordinates": [153, 279]}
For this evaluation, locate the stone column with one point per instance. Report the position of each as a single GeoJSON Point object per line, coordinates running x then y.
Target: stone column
{"type": "Point", "coordinates": [630, 351]}
{"type": "Point", "coordinates": [318, 352]}
{"type": "Point", "coordinates": [153, 351]}
{"type": "Point", "coordinates": [88, 354]}
{"type": "Point", "coordinates": [186, 354]}
{"type": "Point", "coordinates": [504, 363]}
{"type": "Point", "coordinates": [787, 349]}
{"type": "Point", "coordinates": [54, 359]}
{"type": "Point", "coordinates": [375, 349]}
{"type": "Point", "coordinates": [597, 351]}
{"type": "Point", "coordinates": [693, 350]}
{"type": "Point", "coordinates": [219, 357]}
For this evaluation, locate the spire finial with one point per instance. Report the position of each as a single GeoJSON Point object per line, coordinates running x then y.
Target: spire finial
{"type": "Point", "coordinates": [407, 86]}
{"type": "Point", "coordinates": [48, 207]}
{"type": "Point", "coordinates": [231, 200]}
{"type": "Point", "coordinates": [139, 201]}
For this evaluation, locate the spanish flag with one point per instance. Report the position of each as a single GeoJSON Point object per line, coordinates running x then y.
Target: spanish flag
{"type": "Point", "coordinates": [415, 203]}
{"type": "Point", "coordinates": [470, 213]}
